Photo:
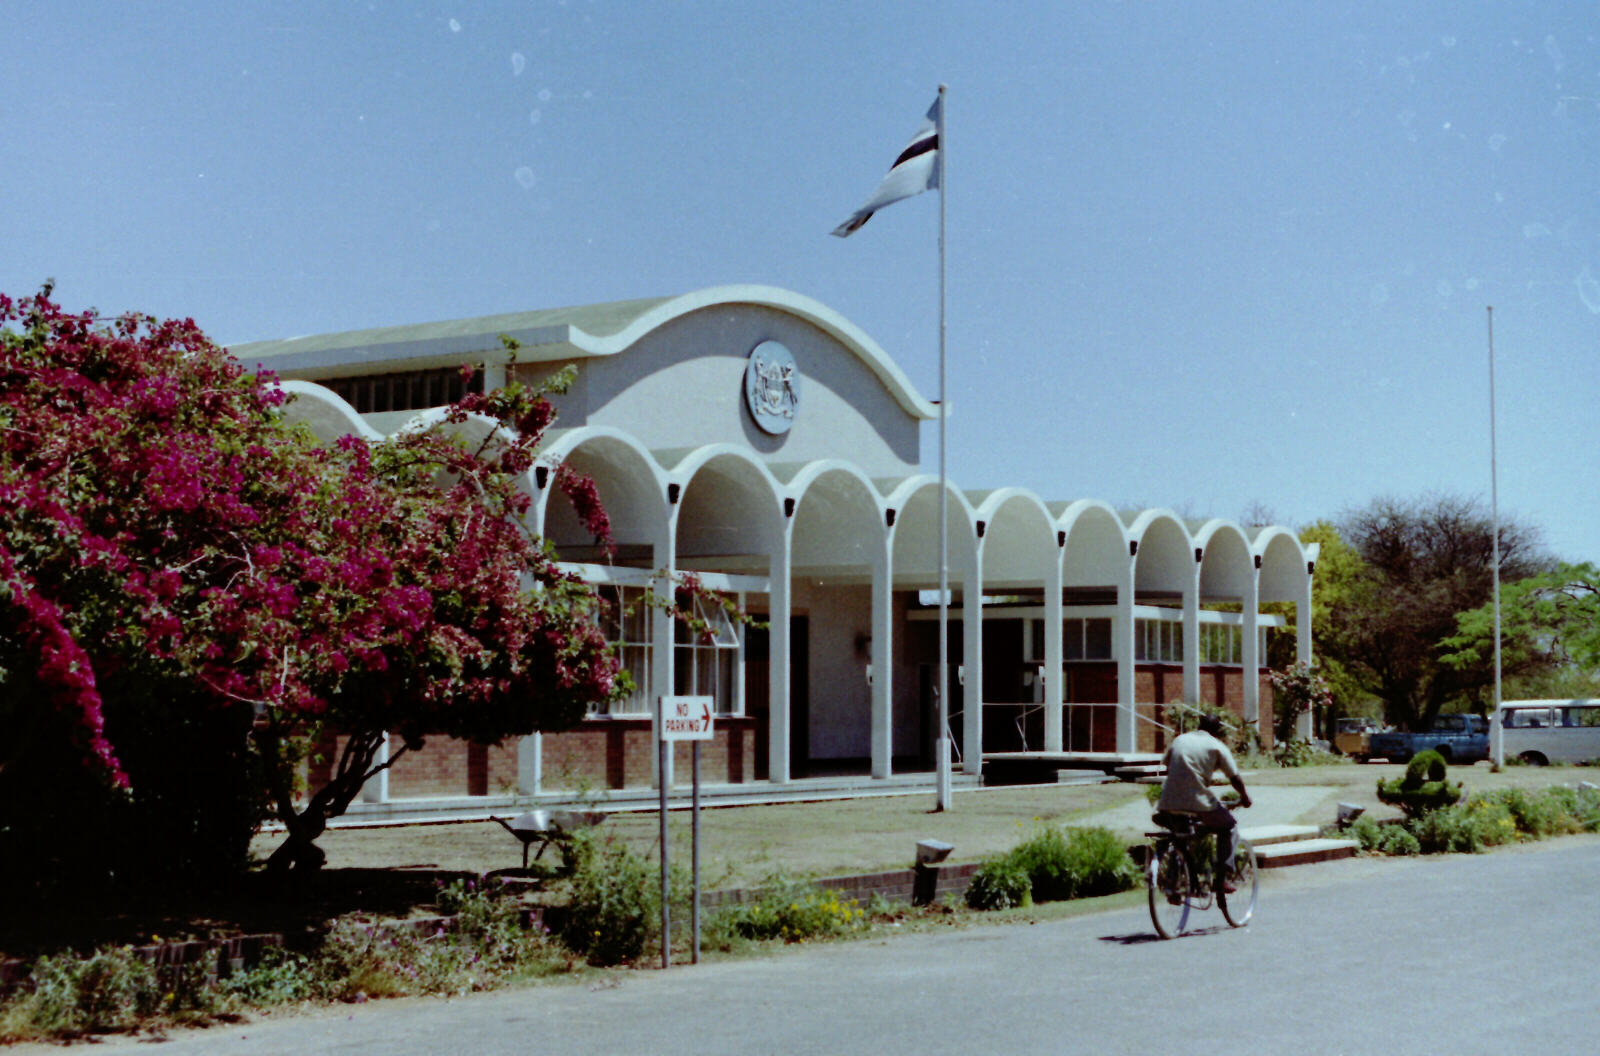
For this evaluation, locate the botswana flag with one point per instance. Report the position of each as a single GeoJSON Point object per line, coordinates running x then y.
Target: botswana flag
{"type": "Point", "coordinates": [914, 171]}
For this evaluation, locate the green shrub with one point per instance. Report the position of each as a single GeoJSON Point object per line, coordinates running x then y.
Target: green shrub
{"type": "Point", "coordinates": [614, 903]}
{"type": "Point", "coordinates": [111, 989]}
{"type": "Point", "coordinates": [1423, 789]}
{"type": "Point", "coordinates": [1063, 863]}
{"type": "Point", "coordinates": [1303, 753]}
{"type": "Point", "coordinates": [1099, 862]}
{"type": "Point", "coordinates": [1581, 807]}
{"type": "Point", "coordinates": [1537, 814]}
{"type": "Point", "coordinates": [792, 910]}
{"type": "Point", "coordinates": [1398, 841]}
{"type": "Point", "coordinates": [1449, 829]}
{"type": "Point", "coordinates": [999, 883]}
{"type": "Point", "coordinates": [1493, 821]}
{"type": "Point", "coordinates": [1384, 837]}
{"type": "Point", "coordinates": [1043, 857]}
{"type": "Point", "coordinates": [280, 977]}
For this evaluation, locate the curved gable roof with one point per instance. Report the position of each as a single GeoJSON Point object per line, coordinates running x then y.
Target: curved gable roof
{"type": "Point", "coordinates": [558, 334]}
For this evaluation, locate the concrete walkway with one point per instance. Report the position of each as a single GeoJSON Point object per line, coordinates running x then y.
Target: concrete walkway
{"type": "Point", "coordinates": [1273, 805]}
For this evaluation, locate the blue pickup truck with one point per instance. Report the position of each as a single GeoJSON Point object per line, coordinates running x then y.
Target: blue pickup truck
{"type": "Point", "coordinates": [1459, 738]}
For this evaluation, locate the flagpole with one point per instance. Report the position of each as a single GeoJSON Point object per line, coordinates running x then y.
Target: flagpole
{"type": "Point", "coordinates": [1496, 740]}
{"type": "Point", "coordinates": [944, 777]}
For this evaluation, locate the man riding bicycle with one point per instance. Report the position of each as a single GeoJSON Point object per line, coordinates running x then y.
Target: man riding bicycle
{"type": "Point", "coordinates": [1191, 761]}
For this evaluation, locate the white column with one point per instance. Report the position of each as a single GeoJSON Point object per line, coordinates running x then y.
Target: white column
{"type": "Point", "coordinates": [1191, 638]}
{"type": "Point", "coordinates": [494, 376]}
{"type": "Point", "coordinates": [1122, 628]}
{"type": "Point", "coordinates": [882, 662]}
{"type": "Point", "coordinates": [530, 764]}
{"type": "Point", "coordinates": [780, 601]}
{"type": "Point", "coordinates": [1250, 651]}
{"type": "Point", "coordinates": [1302, 645]}
{"type": "Point", "coordinates": [376, 790]}
{"type": "Point", "coordinates": [663, 642]}
{"type": "Point", "coordinates": [972, 663]}
{"type": "Point", "coordinates": [1054, 674]}
{"type": "Point", "coordinates": [739, 658]}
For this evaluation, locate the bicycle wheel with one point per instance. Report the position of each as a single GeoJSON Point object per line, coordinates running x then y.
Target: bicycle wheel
{"type": "Point", "coordinates": [1170, 882]}
{"type": "Point", "coordinates": [1240, 906]}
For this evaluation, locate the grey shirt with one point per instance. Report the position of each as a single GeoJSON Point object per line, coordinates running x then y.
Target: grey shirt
{"type": "Point", "coordinates": [1191, 761]}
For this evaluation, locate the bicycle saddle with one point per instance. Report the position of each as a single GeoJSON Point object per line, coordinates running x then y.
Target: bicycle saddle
{"type": "Point", "coordinates": [1168, 819]}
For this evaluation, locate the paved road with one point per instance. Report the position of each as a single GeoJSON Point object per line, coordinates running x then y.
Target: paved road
{"type": "Point", "coordinates": [1464, 955]}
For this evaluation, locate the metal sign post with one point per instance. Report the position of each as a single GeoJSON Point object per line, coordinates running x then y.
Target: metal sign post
{"type": "Point", "coordinates": [682, 719]}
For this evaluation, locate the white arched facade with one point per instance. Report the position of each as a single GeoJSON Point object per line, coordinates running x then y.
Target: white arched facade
{"type": "Point", "coordinates": [1074, 627]}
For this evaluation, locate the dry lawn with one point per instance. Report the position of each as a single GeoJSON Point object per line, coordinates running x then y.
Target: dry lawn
{"type": "Point", "coordinates": [741, 845]}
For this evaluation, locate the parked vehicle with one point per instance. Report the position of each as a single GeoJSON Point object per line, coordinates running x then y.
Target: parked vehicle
{"type": "Point", "coordinates": [1459, 738]}
{"type": "Point", "coordinates": [1350, 737]}
{"type": "Point", "coordinates": [1550, 731]}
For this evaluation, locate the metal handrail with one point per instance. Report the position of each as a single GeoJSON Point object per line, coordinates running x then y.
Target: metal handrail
{"type": "Point", "coordinates": [1028, 707]}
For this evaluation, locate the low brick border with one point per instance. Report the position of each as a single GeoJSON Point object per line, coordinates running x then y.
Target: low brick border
{"type": "Point", "coordinates": [916, 886]}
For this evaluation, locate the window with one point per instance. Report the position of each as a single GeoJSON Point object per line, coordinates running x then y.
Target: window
{"type": "Point", "coordinates": [1160, 641]}
{"type": "Point", "coordinates": [705, 665]}
{"type": "Point", "coordinates": [626, 623]}
{"type": "Point", "coordinates": [409, 391]}
{"type": "Point", "coordinates": [1220, 643]}
{"type": "Point", "coordinates": [700, 667]}
{"type": "Point", "coordinates": [1085, 639]}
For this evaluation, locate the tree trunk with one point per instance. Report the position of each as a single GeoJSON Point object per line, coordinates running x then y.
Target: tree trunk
{"type": "Point", "coordinates": [299, 851]}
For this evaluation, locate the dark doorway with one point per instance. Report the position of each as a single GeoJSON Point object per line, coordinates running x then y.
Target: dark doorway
{"type": "Point", "coordinates": [758, 694]}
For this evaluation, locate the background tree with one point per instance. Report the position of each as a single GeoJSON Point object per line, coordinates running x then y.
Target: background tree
{"type": "Point", "coordinates": [1549, 621]}
{"type": "Point", "coordinates": [1423, 561]}
{"type": "Point", "coordinates": [1337, 566]}
{"type": "Point", "coordinates": [191, 592]}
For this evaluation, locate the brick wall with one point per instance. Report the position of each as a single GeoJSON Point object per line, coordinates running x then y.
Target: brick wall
{"type": "Point", "coordinates": [619, 753]}
{"type": "Point", "coordinates": [602, 753]}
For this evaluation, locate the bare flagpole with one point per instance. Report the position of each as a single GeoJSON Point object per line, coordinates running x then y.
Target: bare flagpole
{"type": "Point", "coordinates": [942, 745]}
{"type": "Point", "coordinates": [1496, 740]}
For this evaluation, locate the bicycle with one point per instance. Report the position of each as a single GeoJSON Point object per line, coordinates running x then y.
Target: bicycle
{"type": "Point", "coordinates": [1179, 864]}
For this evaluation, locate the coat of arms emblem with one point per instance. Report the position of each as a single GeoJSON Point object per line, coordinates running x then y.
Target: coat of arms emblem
{"type": "Point", "coordinates": [772, 387]}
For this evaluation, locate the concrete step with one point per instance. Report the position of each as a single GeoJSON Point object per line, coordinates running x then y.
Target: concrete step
{"type": "Point", "coordinates": [1268, 835]}
{"type": "Point", "coordinates": [1304, 852]}
{"type": "Point", "coordinates": [1083, 777]}
{"type": "Point", "coordinates": [1141, 772]}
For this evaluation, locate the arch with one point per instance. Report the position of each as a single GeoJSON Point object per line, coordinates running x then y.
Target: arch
{"type": "Point", "coordinates": [652, 315]}
{"type": "Point", "coordinates": [1019, 541]}
{"type": "Point", "coordinates": [915, 538]}
{"type": "Point", "coordinates": [838, 519]}
{"type": "Point", "coordinates": [728, 512]}
{"type": "Point", "coordinates": [1227, 565]}
{"type": "Point", "coordinates": [1096, 549]}
{"type": "Point", "coordinates": [1283, 565]}
{"type": "Point", "coordinates": [630, 483]}
{"type": "Point", "coordinates": [1165, 561]}
{"type": "Point", "coordinates": [324, 412]}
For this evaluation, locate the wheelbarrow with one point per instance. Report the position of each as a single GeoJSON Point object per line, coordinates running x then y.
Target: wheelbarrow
{"type": "Point", "coordinates": [546, 826]}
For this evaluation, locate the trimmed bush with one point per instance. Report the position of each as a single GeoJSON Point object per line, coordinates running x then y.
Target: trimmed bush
{"type": "Point", "coordinates": [1423, 789]}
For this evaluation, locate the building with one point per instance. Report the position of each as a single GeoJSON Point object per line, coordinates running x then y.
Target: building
{"type": "Point", "coordinates": [758, 439]}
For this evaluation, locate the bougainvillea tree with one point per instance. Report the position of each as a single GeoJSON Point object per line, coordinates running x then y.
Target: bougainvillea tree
{"type": "Point", "coordinates": [191, 592]}
{"type": "Point", "coordinates": [1297, 690]}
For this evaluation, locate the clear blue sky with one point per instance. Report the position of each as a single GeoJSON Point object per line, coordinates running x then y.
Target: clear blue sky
{"type": "Point", "coordinates": [1205, 256]}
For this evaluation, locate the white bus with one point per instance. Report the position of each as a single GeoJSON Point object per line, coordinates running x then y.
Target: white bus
{"type": "Point", "coordinates": [1550, 731]}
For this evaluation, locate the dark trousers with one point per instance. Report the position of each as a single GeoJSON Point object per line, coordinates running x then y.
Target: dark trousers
{"type": "Point", "coordinates": [1220, 821]}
